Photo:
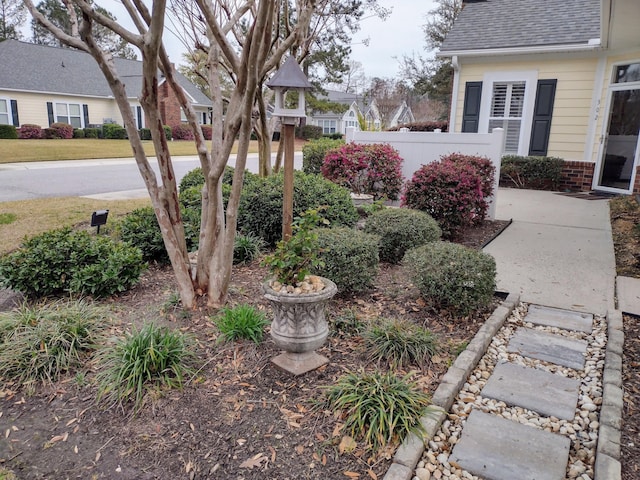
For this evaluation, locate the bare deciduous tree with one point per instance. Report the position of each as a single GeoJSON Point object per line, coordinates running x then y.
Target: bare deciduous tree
{"type": "Point", "coordinates": [248, 64]}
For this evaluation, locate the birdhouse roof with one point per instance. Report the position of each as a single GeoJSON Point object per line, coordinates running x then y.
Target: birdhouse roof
{"type": "Point", "coordinates": [290, 75]}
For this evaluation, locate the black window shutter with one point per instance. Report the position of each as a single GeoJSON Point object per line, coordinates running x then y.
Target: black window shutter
{"type": "Point", "coordinates": [471, 111]}
{"type": "Point", "coordinates": [139, 115]}
{"type": "Point", "coordinates": [543, 111]}
{"type": "Point", "coordinates": [50, 113]}
{"type": "Point", "coordinates": [85, 112]}
{"type": "Point", "coordinates": [14, 113]}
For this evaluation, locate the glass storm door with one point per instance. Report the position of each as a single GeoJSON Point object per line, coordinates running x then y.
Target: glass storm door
{"type": "Point", "coordinates": [620, 147]}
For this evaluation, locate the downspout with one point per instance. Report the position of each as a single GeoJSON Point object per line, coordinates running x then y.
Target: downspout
{"type": "Point", "coordinates": [454, 93]}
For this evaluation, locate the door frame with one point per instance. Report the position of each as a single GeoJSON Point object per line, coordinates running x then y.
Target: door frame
{"type": "Point", "coordinates": [614, 87]}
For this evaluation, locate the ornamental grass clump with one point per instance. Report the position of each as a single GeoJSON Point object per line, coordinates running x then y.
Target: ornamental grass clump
{"type": "Point", "coordinates": [241, 322]}
{"type": "Point", "coordinates": [451, 192]}
{"type": "Point", "coordinates": [374, 169]}
{"type": "Point", "coordinates": [42, 342]}
{"type": "Point", "coordinates": [452, 277]}
{"type": "Point", "coordinates": [400, 343]}
{"type": "Point", "coordinates": [147, 359]}
{"type": "Point", "coordinates": [400, 229]}
{"type": "Point", "coordinates": [379, 408]}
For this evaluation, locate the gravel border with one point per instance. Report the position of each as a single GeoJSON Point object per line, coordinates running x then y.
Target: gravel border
{"type": "Point", "coordinates": [410, 452]}
{"type": "Point", "coordinates": [608, 465]}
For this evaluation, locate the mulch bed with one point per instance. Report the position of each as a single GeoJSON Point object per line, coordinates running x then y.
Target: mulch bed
{"type": "Point", "coordinates": [240, 417]}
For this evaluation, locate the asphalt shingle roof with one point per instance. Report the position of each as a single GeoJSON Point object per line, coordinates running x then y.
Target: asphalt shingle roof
{"type": "Point", "coordinates": [523, 23]}
{"type": "Point", "coordinates": [41, 68]}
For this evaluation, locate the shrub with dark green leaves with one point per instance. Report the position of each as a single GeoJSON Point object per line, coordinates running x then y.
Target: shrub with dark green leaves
{"type": "Point", "coordinates": [308, 132]}
{"type": "Point", "coordinates": [350, 258]}
{"type": "Point", "coordinates": [8, 131]}
{"type": "Point", "coordinates": [140, 228]}
{"type": "Point", "coordinates": [195, 177]}
{"type": "Point", "coordinates": [150, 358]}
{"type": "Point", "coordinates": [91, 133]}
{"type": "Point", "coordinates": [167, 132]}
{"type": "Point", "coordinates": [400, 343]}
{"type": "Point", "coordinates": [542, 173]}
{"type": "Point", "coordinates": [451, 276]}
{"type": "Point", "coordinates": [71, 261]}
{"type": "Point", "coordinates": [400, 229]}
{"type": "Point", "coordinates": [42, 342]}
{"type": "Point", "coordinates": [379, 408]}
{"type": "Point", "coordinates": [313, 153]}
{"type": "Point", "coordinates": [113, 131]}
{"type": "Point", "coordinates": [260, 210]}
{"type": "Point", "coordinates": [78, 133]}
{"type": "Point", "coordinates": [145, 134]}
{"type": "Point", "coordinates": [241, 322]}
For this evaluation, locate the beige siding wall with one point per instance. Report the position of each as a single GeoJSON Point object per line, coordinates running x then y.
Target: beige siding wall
{"type": "Point", "coordinates": [32, 107]}
{"type": "Point", "coordinates": [574, 92]}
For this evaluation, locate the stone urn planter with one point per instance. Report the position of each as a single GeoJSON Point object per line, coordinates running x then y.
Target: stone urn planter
{"type": "Point", "coordinates": [359, 199]}
{"type": "Point", "coordinates": [299, 326]}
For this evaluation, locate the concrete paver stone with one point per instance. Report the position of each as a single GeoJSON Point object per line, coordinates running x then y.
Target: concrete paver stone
{"type": "Point", "coordinates": [498, 449]}
{"type": "Point", "coordinates": [556, 317]}
{"type": "Point", "coordinates": [543, 392]}
{"type": "Point", "coordinates": [549, 347]}
{"type": "Point", "coordinates": [628, 293]}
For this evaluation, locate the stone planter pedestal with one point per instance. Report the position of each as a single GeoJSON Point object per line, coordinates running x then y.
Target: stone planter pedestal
{"type": "Point", "coordinates": [299, 327]}
{"type": "Point", "coordinates": [359, 199]}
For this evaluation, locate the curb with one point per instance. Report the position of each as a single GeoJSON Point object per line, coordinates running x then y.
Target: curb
{"type": "Point", "coordinates": [607, 465]}
{"type": "Point", "coordinates": [410, 451]}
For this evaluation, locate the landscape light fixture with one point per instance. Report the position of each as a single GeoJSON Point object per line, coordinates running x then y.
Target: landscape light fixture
{"type": "Point", "coordinates": [99, 217]}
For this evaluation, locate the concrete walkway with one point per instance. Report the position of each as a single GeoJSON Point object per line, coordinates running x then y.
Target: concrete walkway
{"type": "Point", "coordinates": [557, 252]}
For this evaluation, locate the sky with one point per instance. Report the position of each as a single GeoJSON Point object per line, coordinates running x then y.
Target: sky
{"type": "Point", "coordinates": [401, 34]}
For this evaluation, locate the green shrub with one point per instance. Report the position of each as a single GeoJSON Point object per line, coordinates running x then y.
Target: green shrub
{"type": "Point", "coordinates": [78, 133]}
{"type": "Point", "coordinates": [195, 177]}
{"type": "Point", "coordinates": [379, 407]}
{"type": "Point", "coordinates": [314, 151]}
{"type": "Point", "coordinates": [400, 343]}
{"type": "Point", "coordinates": [451, 276]}
{"type": "Point", "coordinates": [531, 172]}
{"type": "Point", "coordinates": [91, 133]}
{"type": "Point", "coordinates": [260, 210]}
{"type": "Point", "coordinates": [167, 132]}
{"type": "Point", "coordinates": [113, 131]}
{"type": "Point", "coordinates": [140, 228]}
{"type": "Point", "coordinates": [144, 359]}
{"type": "Point", "coordinates": [8, 131]}
{"type": "Point", "coordinates": [241, 322]}
{"type": "Point", "coordinates": [333, 136]}
{"type": "Point", "coordinates": [41, 342]}
{"type": "Point", "coordinates": [145, 133]}
{"type": "Point", "coordinates": [246, 248]}
{"type": "Point", "coordinates": [350, 258]}
{"type": "Point", "coordinates": [400, 229]}
{"type": "Point", "coordinates": [71, 261]}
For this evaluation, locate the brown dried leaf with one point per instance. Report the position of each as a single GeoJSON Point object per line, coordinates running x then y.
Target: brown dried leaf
{"type": "Point", "coordinates": [351, 474]}
{"type": "Point", "coordinates": [300, 449]}
{"type": "Point", "coordinates": [255, 461]}
{"type": "Point", "coordinates": [372, 474]}
{"type": "Point", "coordinates": [337, 430]}
{"type": "Point", "coordinates": [347, 444]}
{"type": "Point", "coordinates": [273, 454]}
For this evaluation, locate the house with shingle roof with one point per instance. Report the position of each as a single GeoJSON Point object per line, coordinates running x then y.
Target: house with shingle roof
{"type": "Point", "coordinates": [562, 77]}
{"type": "Point", "coordinates": [42, 85]}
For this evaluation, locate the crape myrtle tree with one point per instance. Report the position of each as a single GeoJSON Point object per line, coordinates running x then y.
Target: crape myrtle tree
{"type": "Point", "coordinates": [247, 63]}
{"type": "Point", "coordinates": [322, 48]}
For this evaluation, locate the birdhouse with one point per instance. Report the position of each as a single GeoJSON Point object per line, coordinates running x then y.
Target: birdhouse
{"type": "Point", "coordinates": [289, 84]}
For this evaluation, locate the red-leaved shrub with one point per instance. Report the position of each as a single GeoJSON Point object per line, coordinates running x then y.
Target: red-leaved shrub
{"type": "Point", "coordinates": [61, 130]}
{"type": "Point", "coordinates": [206, 131]}
{"type": "Point", "coordinates": [375, 169]}
{"type": "Point", "coordinates": [483, 165]}
{"type": "Point", "coordinates": [30, 131]}
{"type": "Point", "coordinates": [182, 132]}
{"type": "Point", "coordinates": [450, 192]}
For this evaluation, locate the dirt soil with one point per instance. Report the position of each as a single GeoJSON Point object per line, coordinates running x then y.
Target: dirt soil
{"type": "Point", "coordinates": [240, 417]}
{"type": "Point", "coordinates": [625, 226]}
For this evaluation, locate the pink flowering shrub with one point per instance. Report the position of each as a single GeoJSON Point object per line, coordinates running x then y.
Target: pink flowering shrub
{"type": "Point", "coordinates": [30, 131]}
{"type": "Point", "coordinates": [62, 130]}
{"type": "Point", "coordinates": [374, 169]}
{"type": "Point", "coordinates": [182, 132]}
{"type": "Point", "coordinates": [482, 164]}
{"type": "Point", "coordinates": [450, 192]}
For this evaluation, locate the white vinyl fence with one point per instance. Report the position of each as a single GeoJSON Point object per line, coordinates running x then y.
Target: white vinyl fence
{"type": "Point", "coordinates": [421, 148]}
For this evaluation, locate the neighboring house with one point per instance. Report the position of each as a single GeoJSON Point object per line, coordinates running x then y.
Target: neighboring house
{"type": "Point", "coordinates": [358, 106]}
{"type": "Point", "coordinates": [42, 85]}
{"type": "Point", "coordinates": [562, 77]}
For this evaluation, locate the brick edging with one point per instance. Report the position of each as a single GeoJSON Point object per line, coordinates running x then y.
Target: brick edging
{"type": "Point", "coordinates": [608, 466]}
{"type": "Point", "coordinates": [410, 451]}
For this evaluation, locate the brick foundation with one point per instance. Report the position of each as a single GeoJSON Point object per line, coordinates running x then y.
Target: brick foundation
{"type": "Point", "coordinates": [577, 176]}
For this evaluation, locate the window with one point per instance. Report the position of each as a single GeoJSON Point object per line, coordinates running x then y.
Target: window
{"type": "Point", "coordinates": [5, 114]}
{"type": "Point", "coordinates": [69, 113]}
{"type": "Point", "coordinates": [627, 73]}
{"type": "Point", "coordinates": [328, 126]}
{"type": "Point", "coordinates": [507, 105]}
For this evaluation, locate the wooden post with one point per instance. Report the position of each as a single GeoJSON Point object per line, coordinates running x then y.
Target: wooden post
{"type": "Point", "coordinates": [288, 134]}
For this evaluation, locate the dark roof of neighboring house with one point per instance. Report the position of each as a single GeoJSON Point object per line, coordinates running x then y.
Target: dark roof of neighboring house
{"type": "Point", "coordinates": [41, 68]}
{"type": "Point", "coordinates": [491, 24]}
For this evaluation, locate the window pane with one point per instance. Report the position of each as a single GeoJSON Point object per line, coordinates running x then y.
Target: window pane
{"type": "Point", "coordinates": [4, 119]}
{"type": "Point", "coordinates": [75, 122]}
{"type": "Point", "coordinates": [499, 100]}
{"type": "Point", "coordinates": [4, 108]}
{"type": "Point", "coordinates": [517, 100]}
{"type": "Point", "coordinates": [74, 110]}
{"type": "Point", "coordinates": [61, 119]}
{"type": "Point", "coordinates": [61, 109]}
{"type": "Point", "coordinates": [628, 73]}
{"type": "Point", "coordinates": [511, 133]}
